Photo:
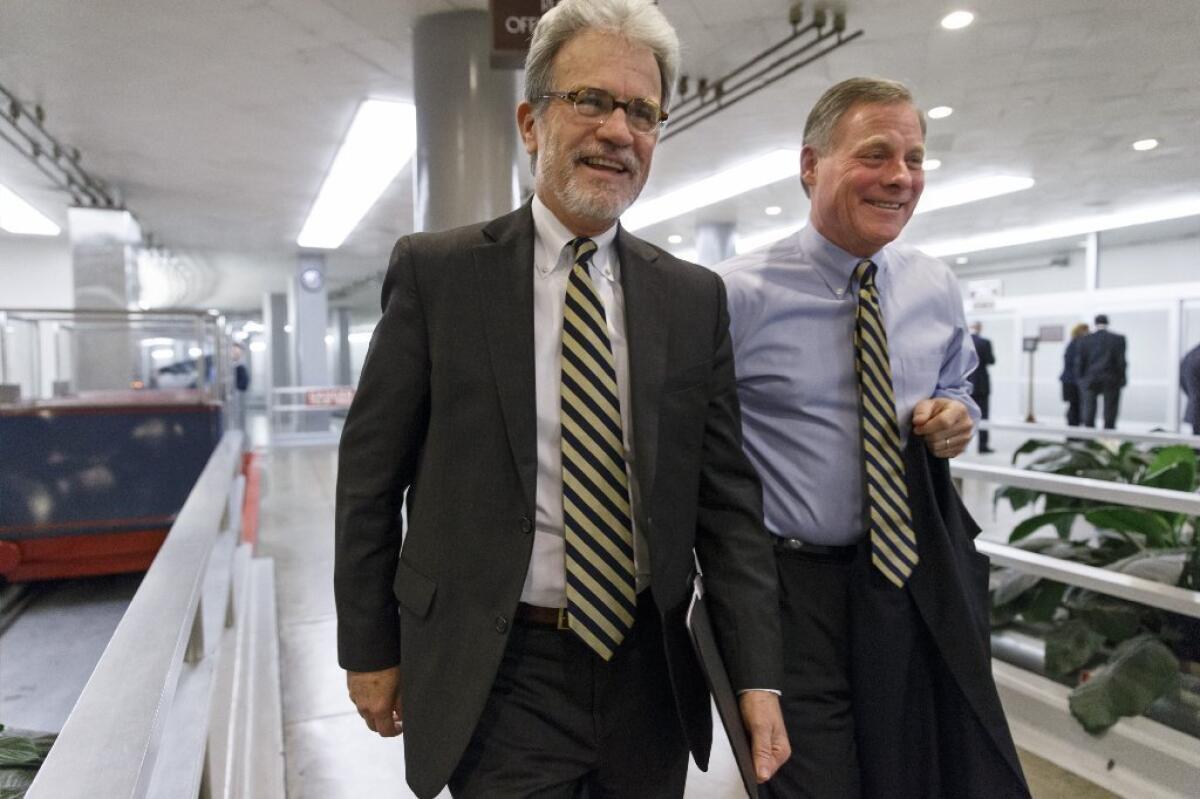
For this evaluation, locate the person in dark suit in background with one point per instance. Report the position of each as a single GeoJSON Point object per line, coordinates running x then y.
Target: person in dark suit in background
{"type": "Point", "coordinates": [981, 382]}
{"type": "Point", "coordinates": [852, 359]}
{"type": "Point", "coordinates": [553, 399]}
{"type": "Point", "coordinates": [1101, 372]}
{"type": "Point", "coordinates": [1070, 374]}
{"type": "Point", "coordinates": [1189, 381]}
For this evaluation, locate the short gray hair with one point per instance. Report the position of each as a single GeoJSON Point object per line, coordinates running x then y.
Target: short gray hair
{"type": "Point", "coordinates": [841, 97]}
{"type": "Point", "coordinates": [637, 21]}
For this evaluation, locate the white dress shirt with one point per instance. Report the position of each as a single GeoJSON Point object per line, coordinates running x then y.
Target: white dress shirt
{"type": "Point", "coordinates": [545, 582]}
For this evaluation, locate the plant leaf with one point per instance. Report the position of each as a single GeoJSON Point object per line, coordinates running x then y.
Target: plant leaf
{"type": "Point", "coordinates": [1140, 671]}
{"type": "Point", "coordinates": [1115, 619]}
{"type": "Point", "coordinates": [1173, 468]}
{"type": "Point", "coordinates": [1146, 523]}
{"type": "Point", "coordinates": [1017, 497]}
{"type": "Point", "coordinates": [1058, 518]}
{"type": "Point", "coordinates": [1070, 646]}
{"type": "Point", "coordinates": [1161, 565]}
{"type": "Point", "coordinates": [1043, 601]}
{"type": "Point", "coordinates": [1033, 445]}
{"type": "Point", "coordinates": [1006, 585]}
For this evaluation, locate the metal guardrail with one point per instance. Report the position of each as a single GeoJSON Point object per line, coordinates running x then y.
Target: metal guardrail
{"type": "Point", "coordinates": [1091, 432]}
{"type": "Point", "coordinates": [1082, 487]}
{"type": "Point", "coordinates": [156, 671]}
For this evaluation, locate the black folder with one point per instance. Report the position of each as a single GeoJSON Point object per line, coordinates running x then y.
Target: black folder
{"type": "Point", "coordinates": [705, 643]}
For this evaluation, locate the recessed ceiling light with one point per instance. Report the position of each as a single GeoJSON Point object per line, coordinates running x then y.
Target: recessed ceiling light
{"type": "Point", "coordinates": [772, 210]}
{"type": "Point", "coordinates": [931, 164]}
{"type": "Point", "coordinates": [381, 140]}
{"type": "Point", "coordinates": [962, 259]}
{"type": "Point", "coordinates": [940, 112]}
{"type": "Point", "coordinates": [760, 171]}
{"type": "Point", "coordinates": [1145, 144]}
{"type": "Point", "coordinates": [18, 216]}
{"type": "Point", "coordinates": [675, 238]}
{"type": "Point", "coordinates": [956, 20]}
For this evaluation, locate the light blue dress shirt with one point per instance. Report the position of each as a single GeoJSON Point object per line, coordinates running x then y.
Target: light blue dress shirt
{"type": "Point", "coordinates": [792, 307]}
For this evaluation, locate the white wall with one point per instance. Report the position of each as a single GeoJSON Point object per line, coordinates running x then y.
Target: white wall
{"type": "Point", "coordinates": [35, 272]}
{"type": "Point", "coordinates": [1174, 261]}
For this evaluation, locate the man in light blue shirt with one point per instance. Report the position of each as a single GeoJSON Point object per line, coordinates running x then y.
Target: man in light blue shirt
{"type": "Point", "coordinates": [873, 651]}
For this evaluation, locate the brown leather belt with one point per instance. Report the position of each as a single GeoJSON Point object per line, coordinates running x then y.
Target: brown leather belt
{"type": "Point", "coordinates": [546, 618]}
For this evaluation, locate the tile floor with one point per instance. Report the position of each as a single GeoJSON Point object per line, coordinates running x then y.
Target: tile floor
{"type": "Point", "coordinates": [330, 754]}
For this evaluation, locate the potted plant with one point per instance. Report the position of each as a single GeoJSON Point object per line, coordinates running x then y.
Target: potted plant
{"type": "Point", "coordinates": [1118, 656]}
{"type": "Point", "coordinates": [21, 754]}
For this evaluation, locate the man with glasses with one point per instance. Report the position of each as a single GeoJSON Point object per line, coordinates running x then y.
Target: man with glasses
{"type": "Point", "coordinates": [557, 398]}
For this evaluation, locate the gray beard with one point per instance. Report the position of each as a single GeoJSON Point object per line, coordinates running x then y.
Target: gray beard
{"type": "Point", "coordinates": [577, 198]}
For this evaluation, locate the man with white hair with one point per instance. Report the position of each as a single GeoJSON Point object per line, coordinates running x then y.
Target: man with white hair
{"type": "Point", "coordinates": [557, 398]}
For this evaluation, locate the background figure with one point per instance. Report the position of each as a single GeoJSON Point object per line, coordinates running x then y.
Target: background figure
{"type": "Point", "coordinates": [1070, 374]}
{"type": "Point", "coordinates": [981, 382]}
{"type": "Point", "coordinates": [241, 382]}
{"type": "Point", "coordinates": [1189, 381]}
{"type": "Point", "coordinates": [1101, 373]}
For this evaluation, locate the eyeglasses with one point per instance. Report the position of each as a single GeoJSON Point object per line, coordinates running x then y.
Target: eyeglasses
{"type": "Point", "coordinates": [642, 115]}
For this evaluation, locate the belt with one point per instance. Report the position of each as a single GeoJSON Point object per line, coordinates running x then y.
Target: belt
{"type": "Point", "coordinates": [795, 545]}
{"type": "Point", "coordinates": [546, 618]}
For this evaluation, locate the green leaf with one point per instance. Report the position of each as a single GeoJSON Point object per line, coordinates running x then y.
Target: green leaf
{"type": "Point", "coordinates": [1043, 601]}
{"type": "Point", "coordinates": [1148, 524]}
{"type": "Point", "coordinates": [1070, 646]}
{"type": "Point", "coordinates": [1111, 475]}
{"type": "Point", "coordinates": [1058, 518]}
{"type": "Point", "coordinates": [1115, 619]}
{"type": "Point", "coordinates": [1173, 468]}
{"type": "Point", "coordinates": [1033, 445]}
{"type": "Point", "coordinates": [1017, 497]}
{"type": "Point", "coordinates": [1006, 585]}
{"type": "Point", "coordinates": [1161, 565]}
{"type": "Point", "coordinates": [1140, 671]}
{"type": "Point", "coordinates": [15, 782]}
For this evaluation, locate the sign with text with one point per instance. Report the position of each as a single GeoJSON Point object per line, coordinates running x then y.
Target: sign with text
{"type": "Point", "coordinates": [1050, 332]}
{"type": "Point", "coordinates": [513, 22]}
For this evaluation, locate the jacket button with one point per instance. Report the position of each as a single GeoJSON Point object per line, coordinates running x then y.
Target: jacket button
{"type": "Point", "coordinates": [501, 624]}
{"type": "Point", "coordinates": [526, 525]}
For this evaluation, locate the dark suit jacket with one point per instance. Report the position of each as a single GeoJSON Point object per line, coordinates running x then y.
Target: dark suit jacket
{"type": "Point", "coordinates": [981, 382]}
{"type": "Point", "coordinates": [950, 591]}
{"type": "Point", "coordinates": [1070, 373]}
{"type": "Point", "coordinates": [1189, 381]}
{"type": "Point", "coordinates": [446, 410]}
{"type": "Point", "coordinates": [1101, 361]}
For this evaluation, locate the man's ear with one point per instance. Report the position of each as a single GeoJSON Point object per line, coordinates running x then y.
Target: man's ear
{"type": "Point", "coordinates": [525, 124]}
{"type": "Point", "coordinates": [808, 166]}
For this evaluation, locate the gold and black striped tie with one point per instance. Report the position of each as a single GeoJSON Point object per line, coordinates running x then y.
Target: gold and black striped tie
{"type": "Point", "coordinates": [893, 541]}
{"type": "Point", "coordinates": [601, 593]}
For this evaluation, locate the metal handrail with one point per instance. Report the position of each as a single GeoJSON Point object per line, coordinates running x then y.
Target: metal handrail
{"type": "Point", "coordinates": [109, 743]}
{"type": "Point", "coordinates": [1084, 488]}
{"type": "Point", "coordinates": [1092, 433]}
{"type": "Point", "coordinates": [1093, 578]}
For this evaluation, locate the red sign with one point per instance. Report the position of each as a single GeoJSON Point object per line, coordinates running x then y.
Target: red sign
{"type": "Point", "coordinates": [330, 397]}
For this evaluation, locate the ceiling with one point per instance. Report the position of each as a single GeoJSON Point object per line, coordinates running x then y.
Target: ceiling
{"type": "Point", "coordinates": [217, 121]}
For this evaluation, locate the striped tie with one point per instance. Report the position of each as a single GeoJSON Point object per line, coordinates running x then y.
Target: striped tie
{"type": "Point", "coordinates": [601, 596]}
{"type": "Point", "coordinates": [893, 542]}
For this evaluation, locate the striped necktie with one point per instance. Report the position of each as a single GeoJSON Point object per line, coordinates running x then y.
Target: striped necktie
{"type": "Point", "coordinates": [601, 594]}
{"type": "Point", "coordinates": [893, 541]}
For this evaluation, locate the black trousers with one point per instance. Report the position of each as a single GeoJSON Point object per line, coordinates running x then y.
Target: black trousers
{"type": "Point", "coordinates": [982, 401]}
{"type": "Point", "coordinates": [852, 734]}
{"type": "Point", "coordinates": [561, 723]}
{"type": "Point", "coordinates": [1112, 402]}
{"type": "Point", "coordinates": [1070, 394]}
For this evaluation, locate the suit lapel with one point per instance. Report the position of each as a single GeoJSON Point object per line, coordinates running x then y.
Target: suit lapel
{"type": "Point", "coordinates": [644, 282]}
{"type": "Point", "coordinates": [504, 269]}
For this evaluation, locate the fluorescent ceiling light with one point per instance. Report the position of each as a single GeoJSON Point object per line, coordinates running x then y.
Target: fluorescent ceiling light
{"type": "Point", "coordinates": [162, 353]}
{"type": "Point", "coordinates": [381, 140]}
{"type": "Point", "coordinates": [939, 112]}
{"type": "Point", "coordinates": [768, 168]}
{"type": "Point", "coordinates": [1145, 144]}
{"type": "Point", "coordinates": [931, 164]}
{"type": "Point", "coordinates": [1072, 227]}
{"type": "Point", "coordinates": [195, 352]}
{"type": "Point", "coordinates": [744, 244]}
{"type": "Point", "coordinates": [969, 191]}
{"type": "Point", "coordinates": [957, 20]}
{"type": "Point", "coordinates": [258, 346]}
{"type": "Point", "coordinates": [772, 210]}
{"type": "Point", "coordinates": [18, 216]}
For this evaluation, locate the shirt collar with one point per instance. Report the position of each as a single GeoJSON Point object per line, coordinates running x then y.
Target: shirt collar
{"type": "Point", "coordinates": [834, 265]}
{"type": "Point", "coordinates": [552, 236]}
